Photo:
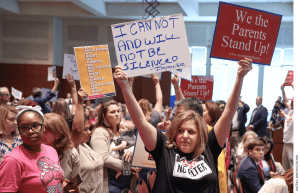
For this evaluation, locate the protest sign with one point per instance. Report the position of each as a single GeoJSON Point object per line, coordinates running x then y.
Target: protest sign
{"type": "Point", "coordinates": [51, 73]}
{"type": "Point", "coordinates": [44, 94]}
{"type": "Point", "coordinates": [185, 73]}
{"type": "Point", "coordinates": [289, 80]}
{"type": "Point", "coordinates": [248, 33]}
{"type": "Point", "coordinates": [17, 94]}
{"type": "Point", "coordinates": [70, 66]}
{"type": "Point", "coordinates": [200, 87]}
{"type": "Point", "coordinates": [94, 69]}
{"type": "Point", "coordinates": [152, 45]}
{"type": "Point", "coordinates": [141, 158]}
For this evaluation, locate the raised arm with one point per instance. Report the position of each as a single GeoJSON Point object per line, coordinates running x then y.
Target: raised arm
{"type": "Point", "coordinates": [72, 85]}
{"type": "Point", "coordinates": [147, 132]}
{"type": "Point", "coordinates": [56, 83]}
{"type": "Point", "coordinates": [158, 94]}
{"type": "Point", "coordinates": [223, 124]}
{"type": "Point", "coordinates": [284, 98]}
{"type": "Point", "coordinates": [178, 92]}
{"type": "Point", "coordinates": [78, 121]}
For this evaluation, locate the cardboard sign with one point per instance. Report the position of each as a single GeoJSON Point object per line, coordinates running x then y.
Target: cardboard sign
{"type": "Point", "coordinates": [95, 71]}
{"type": "Point", "coordinates": [17, 94]}
{"type": "Point", "coordinates": [248, 33]}
{"type": "Point", "coordinates": [51, 73]}
{"type": "Point", "coordinates": [70, 66]}
{"type": "Point", "coordinates": [141, 158]}
{"type": "Point", "coordinates": [200, 87]}
{"type": "Point", "coordinates": [289, 80]}
{"type": "Point", "coordinates": [185, 73]}
{"type": "Point", "coordinates": [44, 93]}
{"type": "Point", "coordinates": [152, 45]}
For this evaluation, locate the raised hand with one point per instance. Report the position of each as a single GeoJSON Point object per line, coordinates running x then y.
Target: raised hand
{"type": "Point", "coordinates": [120, 76]}
{"type": "Point", "coordinates": [155, 78]}
{"type": "Point", "coordinates": [82, 94]}
{"type": "Point", "coordinates": [70, 80]}
{"type": "Point", "coordinates": [175, 80]}
{"type": "Point", "coordinates": [56, 81]}
{"type": "Point", "coordinates": [245, 65]}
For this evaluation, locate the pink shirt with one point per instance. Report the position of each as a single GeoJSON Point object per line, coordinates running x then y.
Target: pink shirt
{"type": "Point", "coordinates": [31, 172]}
{"type": "Point", "coordinates": [92, 121]}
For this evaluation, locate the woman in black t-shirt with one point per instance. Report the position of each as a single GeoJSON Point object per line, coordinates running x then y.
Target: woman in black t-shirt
{"type": "Point", "coordinates": [186, 159]}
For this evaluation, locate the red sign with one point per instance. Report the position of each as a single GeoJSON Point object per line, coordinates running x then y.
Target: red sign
{"type": "Point", "coordinates": [289, 80]}
{"type": "Point", "coordinates": [200, 87]}
{"type": "Point", "coordinates": [245, 32]}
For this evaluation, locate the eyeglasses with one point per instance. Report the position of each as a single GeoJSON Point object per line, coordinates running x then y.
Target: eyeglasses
{"type": "Point", "coordinates": [35, 128]}
{"type": "Point", "coordinates": [6, 94]}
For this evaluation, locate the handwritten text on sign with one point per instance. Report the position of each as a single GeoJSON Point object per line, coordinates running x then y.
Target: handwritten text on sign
{"type": "Point", "coordinates": [200, 87]}
{"type": "Point", "coordinates": [70, 66]}
{"type": "Point", "coordinates": [95, 71]}
{"type": "Point", "coordinates": [249, 33]}
{"type": "Point", "coordinates": [152, 45]}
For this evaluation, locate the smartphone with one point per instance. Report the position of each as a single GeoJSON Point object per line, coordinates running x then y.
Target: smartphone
{"type": "Point", "coordinates": [73, 183]}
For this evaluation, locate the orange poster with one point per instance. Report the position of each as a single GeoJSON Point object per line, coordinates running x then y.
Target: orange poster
{"type": "Point", "coordinates": [94, 70]}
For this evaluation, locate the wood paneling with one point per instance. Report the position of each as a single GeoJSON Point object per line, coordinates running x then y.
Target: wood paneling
{"type": "Point", "coordinates": [25, 77]}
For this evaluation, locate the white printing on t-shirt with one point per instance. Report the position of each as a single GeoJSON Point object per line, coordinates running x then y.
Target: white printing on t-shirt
{"type": "Point", "coordinates": [191, 170]}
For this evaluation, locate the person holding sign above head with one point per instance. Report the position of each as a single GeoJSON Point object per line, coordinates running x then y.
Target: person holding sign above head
{"type": "Point", "coordinates": [210, 112]}
{"type": "Point", "coordinates": [186, 157]}
{"type": "Point", "coordinates": [288, 131]}
{"type": "Point", "coordinates": [37, 97]}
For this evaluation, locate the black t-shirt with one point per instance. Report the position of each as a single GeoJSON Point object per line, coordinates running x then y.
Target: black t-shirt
{"type": "Point", "coordinates": [177, 172]}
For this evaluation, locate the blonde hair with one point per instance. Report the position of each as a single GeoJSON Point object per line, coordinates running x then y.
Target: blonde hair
{"type": "Point", "coordinates": [57, 125]}
{"type": "Point", "coordinates": [200, 125]}
{"type": "Point", "coordinates": [146, 108]}
{"type": "Point", "coordinates": [61, 107]}
{"type": "Point", "coordinates": [4, 110]}
{"type": "Point", "coordinates": [246, 134]}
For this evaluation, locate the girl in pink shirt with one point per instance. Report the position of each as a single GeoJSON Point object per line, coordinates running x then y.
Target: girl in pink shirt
{"type": "Point", "coordinates": [31, 167]}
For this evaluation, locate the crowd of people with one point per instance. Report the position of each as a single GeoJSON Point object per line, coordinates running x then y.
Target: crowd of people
{"type": "Point", "coordinates": [195, 144]}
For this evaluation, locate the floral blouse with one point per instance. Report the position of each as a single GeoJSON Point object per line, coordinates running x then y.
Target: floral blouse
{"type": "Point", "coordinates": [4, 149]}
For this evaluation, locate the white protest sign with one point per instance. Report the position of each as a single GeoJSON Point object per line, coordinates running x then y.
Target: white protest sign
{"type": "Point", "coordinates": [51, 73]}
{"type": "Point", "coordinates": [185, 73]}
{"type": "Point", "coordinates": [152, 45]}
{"type": "Point", "coordinates": [157, 74]}
{"type": "Point", "coordinates": [44, 93]}
{"type": "Point", "coordinates": [17, 94]}
{"type": "Point", "coordinates": [70, 66]}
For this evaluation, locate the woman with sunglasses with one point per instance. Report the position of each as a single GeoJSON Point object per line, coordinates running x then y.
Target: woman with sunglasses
{"type": "Point", "coordinates": [31, 167]}
{"type": "Point", "coordinates": [9, 135]}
